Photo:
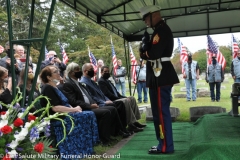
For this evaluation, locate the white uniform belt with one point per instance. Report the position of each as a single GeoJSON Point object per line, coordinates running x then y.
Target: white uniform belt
{"type": "Point", "coordinates": [164, 59]}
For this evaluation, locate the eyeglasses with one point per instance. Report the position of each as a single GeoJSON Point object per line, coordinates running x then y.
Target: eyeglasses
{"type": "Point", "coordinates": [56, 71]}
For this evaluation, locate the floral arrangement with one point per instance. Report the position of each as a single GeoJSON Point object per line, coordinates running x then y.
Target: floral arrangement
{"type": "Point", "coordinates": [22, 134]}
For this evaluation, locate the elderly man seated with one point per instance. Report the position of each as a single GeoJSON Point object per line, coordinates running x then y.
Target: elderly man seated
{"type": "Point", "coordinates": [132, 111]}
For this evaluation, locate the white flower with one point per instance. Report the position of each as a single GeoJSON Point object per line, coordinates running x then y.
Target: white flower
{"type": "Point", "coordinates": [13, 144]}
{"type": "Point", "coordinates": [19, 137]}
{"type": "Point", "coordinates": [83, 84]}
{"type": "Point", "coordinates": [40, 129]}
{"type": "Point", "coordinates": [28, 124]}
{"type": "Point", "coordinates": [33, 140]}
{"type": "Point", "coordinates": [3, 123]}
{"type": "Point", "coordinates": [20, 115]}
{"type": "Point", "coordinates": [5, 116]}
{"type": "Point", "coordinates": [13, 154]}
{"type": "Point", "coordinates": [23, 132]}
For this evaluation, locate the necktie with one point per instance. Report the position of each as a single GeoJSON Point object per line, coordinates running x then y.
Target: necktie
{"type": "Point", "coordinates": [87, 95]}
{"type": "Point", "coordinates": [97, 88]}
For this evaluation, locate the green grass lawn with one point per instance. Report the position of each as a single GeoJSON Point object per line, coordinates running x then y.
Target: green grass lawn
{"type": "Point", "coordinates": [184, 106]}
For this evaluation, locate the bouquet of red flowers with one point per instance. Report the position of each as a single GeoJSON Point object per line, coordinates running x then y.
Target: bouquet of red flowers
{"type": "Point", "coordinates": [23, 135]}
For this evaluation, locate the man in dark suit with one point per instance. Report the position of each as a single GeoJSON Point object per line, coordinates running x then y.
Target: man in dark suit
{"type": "Point", "coordinates": [132, 110]}
{"type": "Point", "coordinates": [118, 109]}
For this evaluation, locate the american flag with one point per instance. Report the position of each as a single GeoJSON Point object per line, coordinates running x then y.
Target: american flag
{"type": "Point", "coordinates": [235, 47]}
{"type": "Point", "coordinates": [213, 50]}
{"type": "Point", "coordinates": [1, 49]}
{"type": "Point", "coordinates": [46, 53]}
{"type": "Point", "coordinates": [133, 64]}
{"type": "Point", "coordinates": [64, 54]}
{"type": "Point", "coordinates": [183, 53]}
{"type": "Point", "coordinates": [114, 58]}
{"type": "Point", "coordinates": [93, 60]}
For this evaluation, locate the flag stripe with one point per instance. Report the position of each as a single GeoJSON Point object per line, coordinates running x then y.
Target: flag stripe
{"type": "Point", "coordinates": [1, 49]}
{"type": "Point", "coordinates": [213, 50]}
{"type": "Point", "coordinates": [183, 53]}
{"type": "Point", "coordinates": [134, 65]}
{"type": "Point", "coordinates": [64, 54]}
{"type": "Point", "coordinates": [114, 59]}
{"type": "Point", "coordinates": [93, 61]}
{"type": "Point", "coordinates": [235, 47]}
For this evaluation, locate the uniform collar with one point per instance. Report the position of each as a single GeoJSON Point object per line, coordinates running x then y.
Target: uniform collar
{"type": "Point", "coordinates": [161, 22]}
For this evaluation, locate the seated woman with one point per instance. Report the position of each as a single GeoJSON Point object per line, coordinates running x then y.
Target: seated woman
{"type": "Point", "coordinates": [28, 88]}
{"type": "Point", "coordinates": [5, 88]}
{"type": "Point", "coordinates": [85, 133]}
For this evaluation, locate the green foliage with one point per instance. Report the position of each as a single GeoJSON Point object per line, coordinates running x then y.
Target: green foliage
{"type": "Point", "coordinates": [176, 63]}
{"type": "Point", "coordinates": [201, 58]}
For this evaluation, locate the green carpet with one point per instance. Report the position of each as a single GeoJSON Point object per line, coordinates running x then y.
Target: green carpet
{"type": "Point", "coordinates": [212, 137]}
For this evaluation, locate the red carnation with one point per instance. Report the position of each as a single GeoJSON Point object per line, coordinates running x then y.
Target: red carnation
{"type": "Point", "coordinates": [39, 147]}
{"type": "Point", "coordinates": [3, 113]}
{"type": "Point", "coordinates": [6, 129]}
{"type": "Point", "coordinates": [18, 122]}
{"type": "Point", "coordinates": [31, 117]}
{"type": "Point", "coordinates": [6, 157]}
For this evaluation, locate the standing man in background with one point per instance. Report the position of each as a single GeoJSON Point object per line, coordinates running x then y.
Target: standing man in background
{"type": "Point", "coordinates": [119, 77]}
{"type": "Point", "coordinates": [160, 76]}
{"type": "Point", "coordinates": [99, 66]}
{"type": "Point", "coordinates": [141, 82]}
{"type": "Point", "coordinates": [191, 75]}
{"type": "Point", "coordinates": [235, 70]}
{"type": "Point", "coordinates": [215, 77]}
{"type": "Point", "coordinates": [54, 60]}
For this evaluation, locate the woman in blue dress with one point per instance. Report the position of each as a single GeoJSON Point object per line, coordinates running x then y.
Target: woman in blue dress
{"type": "Point", "coordinates": [81, 140]}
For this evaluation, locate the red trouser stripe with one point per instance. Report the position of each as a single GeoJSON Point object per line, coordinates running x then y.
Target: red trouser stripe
{"type": "Point", "coordinates": [161, 120]}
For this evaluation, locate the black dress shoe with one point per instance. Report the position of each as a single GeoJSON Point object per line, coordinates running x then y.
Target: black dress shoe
{"type": "Point", "coordinates": [154, 151]}
{"type": "Point", "coordinates": [139, 125]}
{"type": "Point", "coordinates": [123, 134]}
{"type": "Point", "coordinates": [132, 127]}
{"type": "Point", "coordinates": [130, 132]}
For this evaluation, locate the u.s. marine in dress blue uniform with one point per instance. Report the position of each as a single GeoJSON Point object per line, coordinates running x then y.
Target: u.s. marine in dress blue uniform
{"type": "Point", "coordinates": [160, 77]}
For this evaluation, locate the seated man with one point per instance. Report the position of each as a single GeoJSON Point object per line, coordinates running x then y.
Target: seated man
{"type": "Point", "coordinates": [78, 95]}
{"type": "Point", "coordinates": [131, 107]}
{"type": "Point", "coordinates": [102, 101]}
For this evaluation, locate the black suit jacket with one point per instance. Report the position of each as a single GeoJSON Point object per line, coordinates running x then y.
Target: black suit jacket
{"type": "Point", "coordinates": [161, 46]}
{"type": "Point", "coordinates": [74, 94]}
{"type": "Point", "coordinates": [107, 90]}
